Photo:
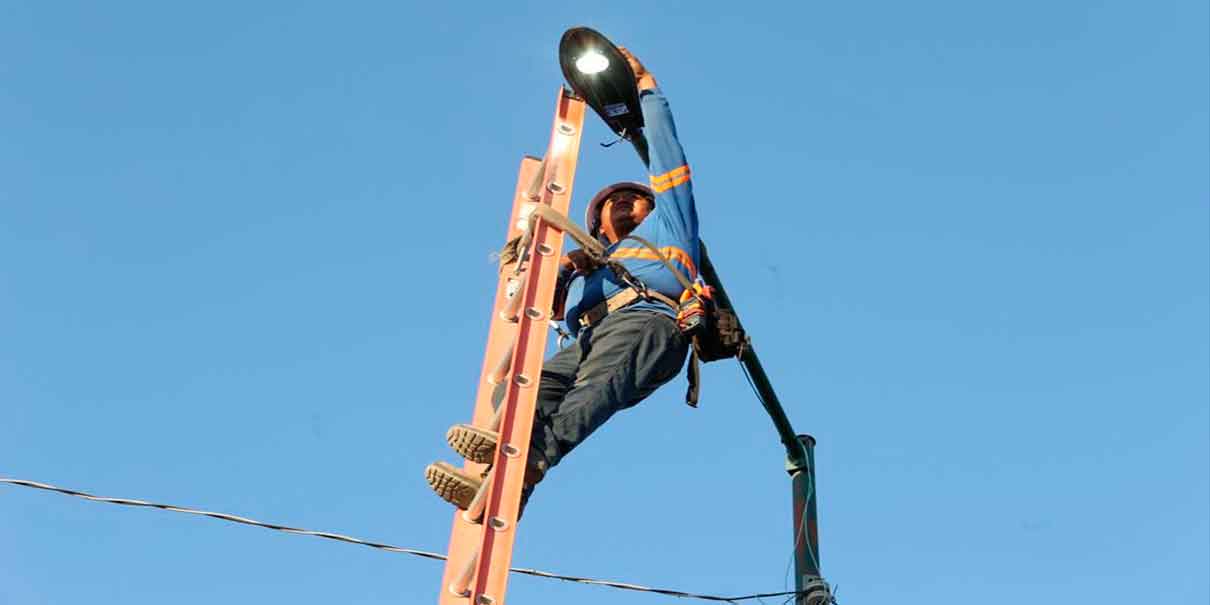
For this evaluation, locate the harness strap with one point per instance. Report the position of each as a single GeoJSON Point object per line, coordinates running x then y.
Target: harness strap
{"type": "Point", "coordinates": [685, 282]}
{"type": "Point", "coordinates": [588, 243]}
{"type": "Point", "coordinates": [560, 221]}
{"type": "Point", "coordinates": [515, 248]}
{"type": "Point", "coordinates": [619, 300]}
{"type": "Point", "coordinates": [693, 375]}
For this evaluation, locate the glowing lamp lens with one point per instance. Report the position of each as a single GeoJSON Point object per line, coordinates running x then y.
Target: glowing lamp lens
{"type": "Point", "coordinates": [592, 62]}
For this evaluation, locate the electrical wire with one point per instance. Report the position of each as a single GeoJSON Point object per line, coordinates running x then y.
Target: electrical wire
{"type": "Point", "coordinates": [385, 547]}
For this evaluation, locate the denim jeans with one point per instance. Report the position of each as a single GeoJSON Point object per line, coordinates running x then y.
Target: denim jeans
{"type": "Point", "coordinates": [610, 367]}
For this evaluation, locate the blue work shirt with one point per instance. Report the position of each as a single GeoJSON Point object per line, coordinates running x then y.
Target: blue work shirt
{"type": "Point", "coordinates": [671, 226]}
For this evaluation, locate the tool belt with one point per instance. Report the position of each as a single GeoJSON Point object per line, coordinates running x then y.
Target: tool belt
{"type": "Point", "coordinates": [622, 299]}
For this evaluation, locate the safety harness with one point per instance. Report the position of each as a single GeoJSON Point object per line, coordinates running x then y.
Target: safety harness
{"type": "Point", "coordinates": [714, 331]}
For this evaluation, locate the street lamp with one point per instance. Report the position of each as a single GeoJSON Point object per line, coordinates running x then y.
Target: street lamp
{"type": "Point", "coordinates": [598, 73]}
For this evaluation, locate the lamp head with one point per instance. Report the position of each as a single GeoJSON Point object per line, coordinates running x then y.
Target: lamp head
{"type": "Point", "coordinates": [598, 73]}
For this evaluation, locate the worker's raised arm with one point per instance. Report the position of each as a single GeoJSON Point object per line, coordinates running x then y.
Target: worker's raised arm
{"type": "Point", "coordinates": [668, 168]}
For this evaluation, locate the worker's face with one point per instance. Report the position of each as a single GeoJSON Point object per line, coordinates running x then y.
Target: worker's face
{"type": "Point", "coordinates": [623, 212]}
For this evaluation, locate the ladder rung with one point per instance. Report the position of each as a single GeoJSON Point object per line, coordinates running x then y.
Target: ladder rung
{"type": "Point", "coordinates": [461, 586]}
{"type": "Point", "coordinates": [500, 372]}
{"type": "Point", "coordinates": [535, 185]}
{"type": "Point", "coordinates": [512, 309]}
{"type": "Point", "coordinates": [496, 418]}
{"type": "Point", "coordinates": [474, 512]}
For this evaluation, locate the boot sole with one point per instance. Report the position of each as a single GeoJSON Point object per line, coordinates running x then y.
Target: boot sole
{"type": "Point", "coordinates": [451, 484]}
{"type": "Point", "coordinates": [473, 443]}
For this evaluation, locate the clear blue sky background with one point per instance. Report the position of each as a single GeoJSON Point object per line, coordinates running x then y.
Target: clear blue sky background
{"type": "Point", "coordinates": [970, 241]}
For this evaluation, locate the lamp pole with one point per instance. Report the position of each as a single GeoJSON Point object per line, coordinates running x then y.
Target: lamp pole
{"type": "Point", "coordinates": [800, 464]}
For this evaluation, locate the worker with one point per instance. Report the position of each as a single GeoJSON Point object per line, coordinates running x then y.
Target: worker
{"type": "Point", "coordinates": [628, 339]}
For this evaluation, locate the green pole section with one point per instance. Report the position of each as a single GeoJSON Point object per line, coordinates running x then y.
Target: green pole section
{"type": "Point", "coordinates": [812, 588]}
{"type": "Point", "coordinates": [800, 463]}
{"type": "Point", "coordinates": [796, 454]}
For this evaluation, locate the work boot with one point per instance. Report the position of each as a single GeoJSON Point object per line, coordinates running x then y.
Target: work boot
{"type": "Point", "coordinates": [479, 445]}
{"type": "Point", "coordinates": [453, 484]}
{"type": "Point", "coordinates": [457, 487]}
{"type": "Point", "coordinates": [473, 443]}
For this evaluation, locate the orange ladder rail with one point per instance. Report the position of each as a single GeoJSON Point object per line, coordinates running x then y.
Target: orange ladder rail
{"type": "Point", "coordinates": [481, 543]}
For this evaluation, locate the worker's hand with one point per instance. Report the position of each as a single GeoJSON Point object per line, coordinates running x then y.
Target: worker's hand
{"type": "Point", "coordinates": [578, 261]}
{"type": "Point", "coordinates": [642, 78]}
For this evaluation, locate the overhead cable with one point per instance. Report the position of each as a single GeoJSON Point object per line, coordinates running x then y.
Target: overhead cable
{"type": "Point", "coordinates": [385, 547]}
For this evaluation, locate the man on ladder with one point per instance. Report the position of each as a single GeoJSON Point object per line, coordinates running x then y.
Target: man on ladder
{"type": "Point", "coordinates": [629, 338]}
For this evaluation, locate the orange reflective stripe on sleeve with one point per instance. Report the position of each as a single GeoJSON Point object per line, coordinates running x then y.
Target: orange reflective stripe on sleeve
{"type": "Point", "coordinates": [663, 182]}
{"type": "Point", "coordinates": [655, 178]}
{"type": "Point", "coordinates": [672, 253]}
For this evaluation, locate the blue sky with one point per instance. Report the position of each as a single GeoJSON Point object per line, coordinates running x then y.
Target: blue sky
{"type": "Point", "coordinates": [970, 241]}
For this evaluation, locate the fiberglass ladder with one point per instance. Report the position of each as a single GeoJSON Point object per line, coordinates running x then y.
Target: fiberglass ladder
{"type": "Point", "coordinates": [481, 541]}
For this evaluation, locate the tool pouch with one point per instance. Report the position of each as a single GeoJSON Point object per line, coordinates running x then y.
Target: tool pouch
{"type": "Point", "coordinates": [715, 332]}
{"type": "Point", "coordinates": [721, 336]}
